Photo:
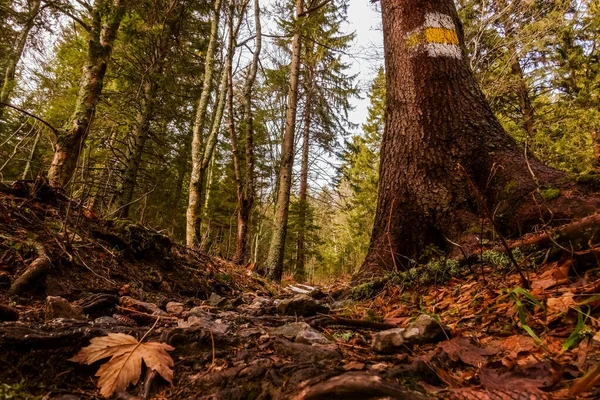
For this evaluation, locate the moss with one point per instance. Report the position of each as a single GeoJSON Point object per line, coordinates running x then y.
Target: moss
{"type": "Point", "coordinates": [364, 291]}
{"type": "Point", "coordinates": [591, 181]}
{"type": "Point", "coordinates": [510, 186]}
{"type": "Point", "coordinates": [15, 392]}
{"type": "Point", "coordinates": [549, 193]}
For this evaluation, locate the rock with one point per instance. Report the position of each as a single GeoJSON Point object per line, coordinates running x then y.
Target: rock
{"type": "Point", "coordinates": [424, 329]}
{"type": "Point", "coordinates": [388, 341]}
{"type": "Point", "coordinates": [306, 353]}
{"type": "Point", "coordinates": [200, 312]}
{"type": "Point", "coordinates": [291, 330]}
{"type": "Point", "coordinates": [216, 301]}
{"type": "Point", "coordinates": [142, 306]}
{"type": "Point", "coordinates": [8, 313]}
{"type": "Point", "coordinates": [174, 308]}
{"type": "Point", "coordinates": [311, 336]}
{"type": "Point", "coordinates": [105, 321]}
{"type": "Point", "coordinates": [99, 304]}
{"type": "Point", "coordinates": [301, 305]}
{"type": "Point", "coordinates": [57, 307]}
{"type": "Point", "coordinates": [214, 327]}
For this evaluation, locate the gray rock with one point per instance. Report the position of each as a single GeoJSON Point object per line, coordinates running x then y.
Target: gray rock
{"type": "Point", "coordinates": [216, 301]}
{"type": "Point", "coordinates": [291, 330]}
{"type": "Point", "coordinates": [174, 308]}
{"type": "Point", "coordinates": [214, 327]}
{"type": "Point", "coordinates": [57, 307]}
{"type": "Point", "coordinates": [388, 341]}
{"type": "Point", "coordinates": [424, 329]}
{"type": "Point", "coordinates": [311, 336]}
{"type": "Point", "coordinates": [301, 305]}
{"type": "Point", "coordinates": [306, 353]}
{"type": "Point", "coordinates": [200, 312]}
{"type": "Point", "coordinates": [105, 321]}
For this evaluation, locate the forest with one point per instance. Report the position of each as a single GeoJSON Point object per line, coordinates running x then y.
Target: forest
{"type": "Point", "coordinates": [299, 199]}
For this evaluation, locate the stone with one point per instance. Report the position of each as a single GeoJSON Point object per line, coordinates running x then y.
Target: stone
{"type": "Point", "coordinates": [301, 305]}
{"type": "Point", "coordinates": [424, 329]}
{"type": "Point", "coordinates": [212, 326]}
{"type": "Point", "coordinates": [388, 341]}
{"type": "Point", "coordinates": [142, 306]}
{"type": "Point", "coordinates": [174, 308]}
{"type": "Point", "coordinates": [57, 307]}
{"type": "Point", "coordinates": [216, 301]}
{"type": "Point", "coordinates": [105, 320]}
{"type": "Point", "coordinates": [291, 330]}
{"type": "Point", "coordinates": [301, 352]}
{"type": "Point", "coordinates": [311, 336]}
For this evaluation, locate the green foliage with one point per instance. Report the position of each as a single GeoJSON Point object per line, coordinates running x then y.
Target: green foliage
{"type": "Point", "coordinates": [521, 298]}
{"type": "Point", "coordinates": [549, 193]}
{"type": "Point", "coordinates": [15, 392]}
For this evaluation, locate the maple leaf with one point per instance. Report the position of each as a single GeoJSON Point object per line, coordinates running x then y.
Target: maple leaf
{"type": "Point", "coordinates": [125, 364]}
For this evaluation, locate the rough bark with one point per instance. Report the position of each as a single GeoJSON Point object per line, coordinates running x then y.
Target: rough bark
{"type": "Point", "coordinates": [436, 119]}
{"type": "Point", "coordinates": [34, 272]}
{"type": "Point", "coordinates": [136, 145]}
{"type": "Point", "coordinates": [193, 214]}
{"type": "Point", "coordinates": [245, 180]}
{"type": "Point", "coordinates": [300, 272]}
{"type": "Point", "coordinates": [274, 261]}
{"type": "Point", "coordinates": [9, 74]}
{"type": "Point", "coordinates": [105, 19]}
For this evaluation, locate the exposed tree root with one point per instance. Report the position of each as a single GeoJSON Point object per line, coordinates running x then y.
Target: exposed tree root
{"type": "Point", "coordinates": [36, 270]}
{"type": "Point", "coordinates": [356, 385]}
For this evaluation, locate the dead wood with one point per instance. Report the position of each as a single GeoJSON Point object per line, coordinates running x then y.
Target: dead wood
{"type": "Point", "coordinates": [356, 385]}
{"type": "Point", "coordinates": [36, 271]}
{"type": "Point", "coordinates": [362, 324]}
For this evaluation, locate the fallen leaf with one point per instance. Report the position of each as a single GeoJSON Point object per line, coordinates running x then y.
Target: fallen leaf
{"type": "Point", "coordinates": [125, 364]}
{"type": "Point", "coordinates": [518, 344]}
{"type": "Point", "coordinates": [527, 378]}
{"type": "Point", "coordinates": [354, 366]}
{"type": "Point", "coordinates": [560, 305]}
{"type": "Point", "coordinates": [464, 349]}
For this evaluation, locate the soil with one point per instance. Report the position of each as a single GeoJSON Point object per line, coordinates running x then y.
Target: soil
{"type": "Point", "coordinates": [236, 336]}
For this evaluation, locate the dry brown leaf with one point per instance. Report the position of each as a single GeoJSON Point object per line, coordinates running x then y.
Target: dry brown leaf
{"type": "Point", "coordinates": [125, 365]}
{"type": "Point", "coordinates": [586, 382]}
{"type": "Point", "coordinates": [560, 305]}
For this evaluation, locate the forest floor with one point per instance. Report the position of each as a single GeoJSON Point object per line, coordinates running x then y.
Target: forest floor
{"type": "Point", "coordinates": [479, 335]}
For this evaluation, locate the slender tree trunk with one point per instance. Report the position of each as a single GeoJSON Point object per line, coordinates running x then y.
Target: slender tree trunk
{"type": "Point", "coordinates": [300, 272]}
{"type": "Point", "coordinates": [105, 19]}
{"type": "Point", "coordinates": [136, 146]}
{"type": "Point", "coordinates": [274, 261]}
{"type": "Point", "coordinates": [245, 182]}
{"type": "Point", "coordinates": [27, 168]}
{"type": "Point", "coordinates": [194, 210]}
{"type": "Point", "coordinates": [9, 74]}
{"type": "Point", "coordinates": [436, 119]}
{"type": "Point", "coordinates": [524, 100]}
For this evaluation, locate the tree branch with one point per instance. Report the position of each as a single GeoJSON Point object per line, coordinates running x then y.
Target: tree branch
{"type": "Point", "coordinates": [54, 130]}
{"type": "Point", "coordinates": [315, 8]}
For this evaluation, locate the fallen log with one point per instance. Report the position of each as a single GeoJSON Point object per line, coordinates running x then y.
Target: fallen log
{"type": "Point", "coordinates": [37, 270]}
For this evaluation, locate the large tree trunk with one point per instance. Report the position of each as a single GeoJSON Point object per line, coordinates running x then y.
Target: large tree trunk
{"type": "Point", "coordinates": [105, 20]}
{"type": "Point", "coordinates": [9, 74]}
{"type": "Point", "coordinates": [274, 261]}
{"type": "Point", "coordinates": [436, 119]}
{"type": "Point", "coordinates": [245, 179]}
{"type": "Point", "coordinates": [194, 210]}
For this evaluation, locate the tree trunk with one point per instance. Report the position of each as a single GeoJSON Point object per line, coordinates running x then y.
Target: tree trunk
{"type": "Point", "coordinates": [245, 180]}
{"type": "Point", "coordinates": [136, 146]}
{"type": "Point", "coordinates": [101, 36]}
{"type": "Point", "coordinates": [436, 119]}
{"type": "Point", "coordinates": [9, 74]}
{"type": "Point", "coordinates": [300, 272]}
{"type": "Point", "coordinates": [274, 261]}
{"type": "Point", "coordinates": [194, 210]}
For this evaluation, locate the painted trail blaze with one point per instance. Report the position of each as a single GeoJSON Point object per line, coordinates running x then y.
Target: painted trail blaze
{"type": "Point", "coordinates": [437, 36]}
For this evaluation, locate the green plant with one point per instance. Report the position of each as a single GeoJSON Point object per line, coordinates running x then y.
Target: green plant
{"type": "Point", "coordinates": [518, 295]}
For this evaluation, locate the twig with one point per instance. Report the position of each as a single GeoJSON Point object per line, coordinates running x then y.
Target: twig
{"type": "Point", "coordinates": [54, 130]}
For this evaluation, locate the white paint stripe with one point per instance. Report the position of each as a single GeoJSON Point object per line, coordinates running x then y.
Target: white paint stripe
{"type": "Point", "coordinates": [438, 20]}
{"type": "Point", "coordinates": [443, 50]}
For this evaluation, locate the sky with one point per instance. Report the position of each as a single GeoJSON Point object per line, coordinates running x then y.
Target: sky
{"type": "Point", "coordinates": [365, 55]}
